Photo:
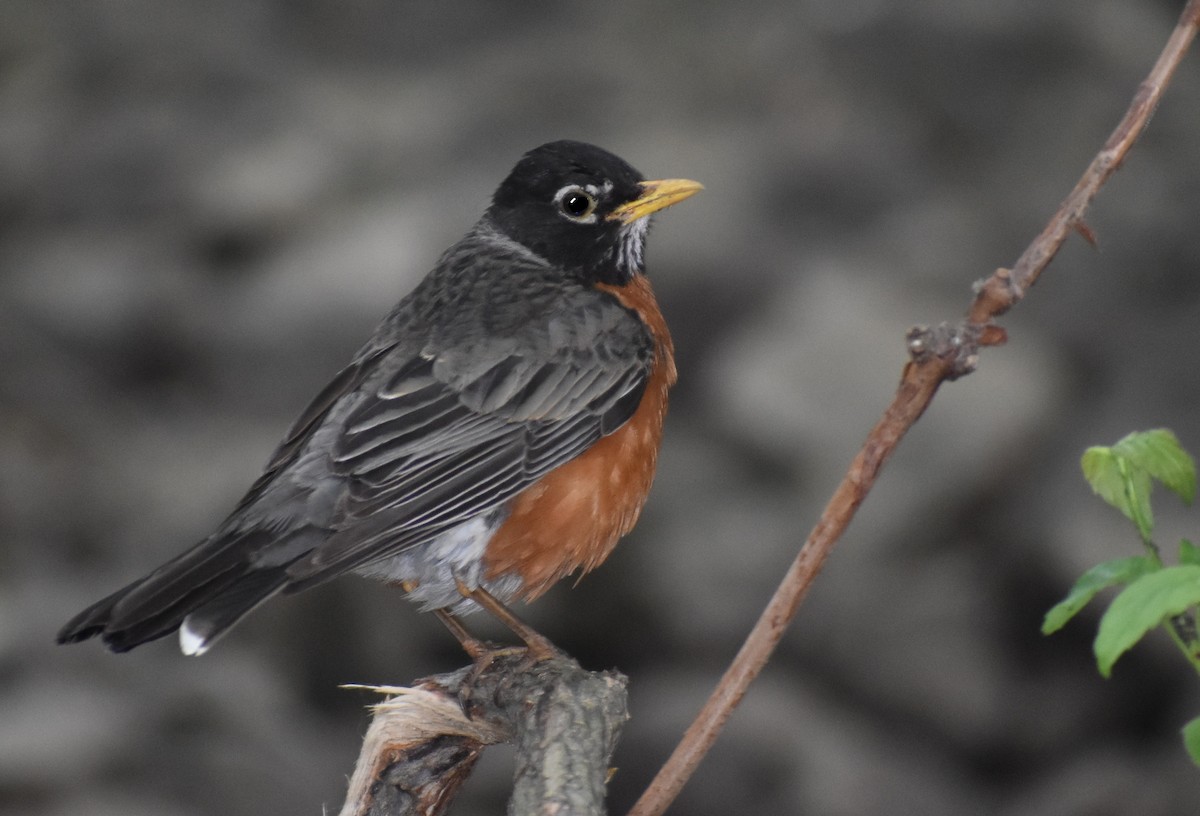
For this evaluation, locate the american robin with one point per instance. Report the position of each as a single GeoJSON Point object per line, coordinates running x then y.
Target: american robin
{"type": "Point", "coordinates": [498, 432]}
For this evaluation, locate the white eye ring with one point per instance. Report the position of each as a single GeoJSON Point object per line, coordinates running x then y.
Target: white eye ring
{"type": "Point", "coordinates": [577, 203]}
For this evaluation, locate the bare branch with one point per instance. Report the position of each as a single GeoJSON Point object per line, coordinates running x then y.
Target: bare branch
{"type": "Point", "coordinates": [423, 741]}
{"type": "Point", "coordinates": [418, 751]}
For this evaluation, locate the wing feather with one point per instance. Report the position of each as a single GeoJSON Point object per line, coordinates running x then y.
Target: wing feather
{"type": "Point", "coordinates": [421, 457]}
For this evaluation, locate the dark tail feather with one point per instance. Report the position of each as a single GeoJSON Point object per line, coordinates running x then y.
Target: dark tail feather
{"type": "Point", "coordinates": [211, 587]}
{"type": "Point", "coordinates": [93, 620]}
{"type": "Point", "coordinates": [119, 630]}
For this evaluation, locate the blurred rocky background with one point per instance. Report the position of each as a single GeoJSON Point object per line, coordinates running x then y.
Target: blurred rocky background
{"type": "Point", "coordinates": [204, 208]}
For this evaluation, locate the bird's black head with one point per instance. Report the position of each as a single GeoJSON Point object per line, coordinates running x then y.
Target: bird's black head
{"type": "Point", "coordinates": [583, 209]}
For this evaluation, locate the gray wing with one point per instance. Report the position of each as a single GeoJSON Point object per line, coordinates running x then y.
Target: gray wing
{"type": "Point", "coordinates": [441, 436]}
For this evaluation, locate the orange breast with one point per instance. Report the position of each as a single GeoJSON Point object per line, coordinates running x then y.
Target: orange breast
{"type": "Point", "coordinates": [572, 517]}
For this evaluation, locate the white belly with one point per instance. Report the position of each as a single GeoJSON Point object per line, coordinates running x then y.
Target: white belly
{"type": "Point", "coordinates": [432, 567]}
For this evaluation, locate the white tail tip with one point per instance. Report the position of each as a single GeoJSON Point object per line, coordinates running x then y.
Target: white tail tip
{"type": "Point", "coordinates": [192, 643]}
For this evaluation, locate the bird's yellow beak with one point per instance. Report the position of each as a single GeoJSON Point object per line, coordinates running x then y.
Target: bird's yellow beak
{"type": "Point", "coordinates": [655, 196]}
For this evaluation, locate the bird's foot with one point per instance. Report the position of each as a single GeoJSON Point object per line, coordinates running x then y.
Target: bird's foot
{"type": "Point", "coordinates": [538, 646]}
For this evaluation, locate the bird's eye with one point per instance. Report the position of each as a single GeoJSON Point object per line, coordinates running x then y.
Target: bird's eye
{"type": "Point", "coordinates": [576, 203]}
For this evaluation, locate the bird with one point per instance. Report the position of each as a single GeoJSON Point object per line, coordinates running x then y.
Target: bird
{"type": "Point", "coordinates": [498, 432]}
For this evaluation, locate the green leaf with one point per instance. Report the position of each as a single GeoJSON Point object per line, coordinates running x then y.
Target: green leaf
{"type": "Point", "coordinates": [1159, 453]}
{"type": "Point", "coordinates": [1137, 490]}
{"type": "Point", "coordinates": [1191, 739]}
{"type": "Point", "coordinates": [1125, 487]}
{"type": "Point", "coordinates": [1189, 553]}
{"type": "Point", "coordinates": [1103, 472]}
{"type": "Point", "coordinates": [1101, 576]}
{"type": "Point", "coordinates": [1140, 607]}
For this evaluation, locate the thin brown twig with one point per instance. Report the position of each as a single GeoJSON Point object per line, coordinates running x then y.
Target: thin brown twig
{"type": "Point", "coordinates": [936, 355]}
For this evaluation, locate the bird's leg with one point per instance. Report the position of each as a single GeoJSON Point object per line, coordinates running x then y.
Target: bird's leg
{"type": "Point", "coordinates": [481, 653]}
{"type": "Point", "coordinates": [475, 648]}
{"type": "Point", "coordinates": [540, 647]}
